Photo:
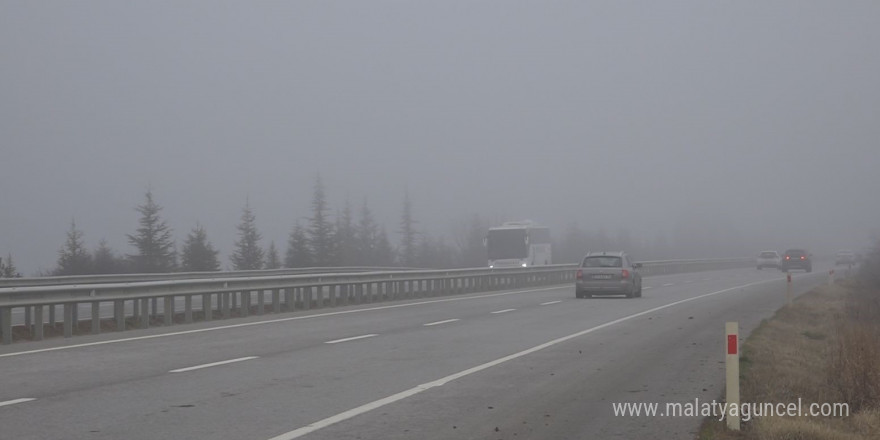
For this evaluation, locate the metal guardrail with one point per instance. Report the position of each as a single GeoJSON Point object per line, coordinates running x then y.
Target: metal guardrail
{"type": "Point", "coordinates": [137, 305]}
{"type": "Point", "coordinates": [137, 277]}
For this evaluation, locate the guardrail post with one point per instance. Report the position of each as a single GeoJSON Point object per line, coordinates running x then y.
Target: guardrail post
{"type": "Point", "coordinates": [136, 309]}
{"type": "Point", "coordinates": [75, 318]}
{"type": "Point", "coordinates": [276, 301]}
{"type": "Point", "coordinates": [168, 310]}
{"type": "Point", "coordinates": [6, 324]}
{"type": "Point", "coordinates": [307, 297]}
{"type": "Point", "coordinates": [52, 315]}
{"type": "Point", "coordinates": [261, 302]}
{"type": "Point", "coordinates": [188, 309]}
{"type": "Point", "coordinates": [38, 323]}
{"type": "Point", "coordinates": [207, 307]}
{"type": "Point", "coordinates": [96, 317]}
{"type": "Point", "coordinates": [27, 320]}
{"type": "Point", "coordinates": [145, 313]}
{"type": "Point", "coordinates": [226, 298]}
{"type": "Point", "coordinates": [68, 319]}
{"type": "Point", "coordinates": [245, 303]}
{"type": "Point", "coordinates": [288, 298]}
{"type": "Point", "coordinates": [154, 306]}
{"type": "Point", "coordinates": [119, 314]}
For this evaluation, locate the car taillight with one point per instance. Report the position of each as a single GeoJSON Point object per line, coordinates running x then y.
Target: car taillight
{"type": "Point", "coordinates": [803, 257]}
{"type": "Point", "coordinates": [787, 257]}
{"type": "Point", "coordinates": [624, 274]}
{"type": "Point", "coordinates": [580, 274]}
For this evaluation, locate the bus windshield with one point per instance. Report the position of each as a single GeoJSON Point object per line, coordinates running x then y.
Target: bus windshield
{"type": "Point", "coordinates": [507, 243]}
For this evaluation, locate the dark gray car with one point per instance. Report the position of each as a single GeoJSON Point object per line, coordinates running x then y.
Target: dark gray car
{"type": "Point", "coordinates": [608, 273]}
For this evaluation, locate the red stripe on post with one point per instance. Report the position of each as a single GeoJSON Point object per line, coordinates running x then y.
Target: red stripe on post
{"type": "Point", "coordinates": [731, 344]}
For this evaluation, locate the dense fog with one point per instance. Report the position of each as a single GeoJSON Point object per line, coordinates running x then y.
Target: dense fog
{"type": "Point", "coordinates": [675, 130]}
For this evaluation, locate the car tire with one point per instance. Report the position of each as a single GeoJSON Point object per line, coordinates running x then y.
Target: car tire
{"type": "Point", "coordinates": [639, 294]}
{"type": "Point", "coordinates": [810, 269]}
{"type": "Point", "coordinates": [578, 294]}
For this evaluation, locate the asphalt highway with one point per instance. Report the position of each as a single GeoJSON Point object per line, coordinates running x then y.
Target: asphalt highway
{"type": "Point", "coordinates": [519, 364]}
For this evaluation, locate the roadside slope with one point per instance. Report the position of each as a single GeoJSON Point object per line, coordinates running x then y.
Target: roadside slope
{"type": "Point", "coordinates": [820, 349]}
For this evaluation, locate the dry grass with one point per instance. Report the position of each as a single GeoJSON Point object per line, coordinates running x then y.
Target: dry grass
{"type": "Point", "coordinates": [821, 349]}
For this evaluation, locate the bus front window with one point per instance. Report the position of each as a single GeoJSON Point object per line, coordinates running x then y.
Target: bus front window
{"type": "Point", "coordinates": [506, 244]}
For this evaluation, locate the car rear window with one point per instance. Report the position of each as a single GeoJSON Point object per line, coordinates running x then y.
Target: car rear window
{"type": "Point", "coordinates": [603, 261]}
{"type": "Point", "coordinates": [768, 254]}
{"type": "Point", "coordinates": [795, 253]}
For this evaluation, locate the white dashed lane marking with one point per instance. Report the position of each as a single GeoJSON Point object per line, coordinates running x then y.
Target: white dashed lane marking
{"type": "Point", "coordinates": [353, 338]}
{"type": "Point", "coordinates": [440, 322]}
{"type": "Point", "coordinates": [213, 364]}
{"type": "Point", "coordinates": [13, 402]}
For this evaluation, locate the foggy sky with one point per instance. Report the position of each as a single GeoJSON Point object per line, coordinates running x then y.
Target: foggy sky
{"type": "Point", "coordinates": [758, 117]}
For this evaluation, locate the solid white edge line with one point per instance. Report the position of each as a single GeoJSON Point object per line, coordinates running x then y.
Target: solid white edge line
{"type": "Point", "coordinates": [272, 321]}
{"type": "Point", "coordinates": [13, 402]}
{"type": "Point", "coordinates": [550, 302]}
{"type": "Point", "coordinates": [299, 432]}
{"type": "Point", "coordinates": [668, 284]}
{"type": "Point", "coordinates": [213, 364]}
{"type": "Point", "coordinates": [647, 287]}
{"type": "Point", "coordinates": [440, 322]}
{"type": "Point", "coordinates": [503, 311]}
{"type": "Point", "coordinates": [353, 338]}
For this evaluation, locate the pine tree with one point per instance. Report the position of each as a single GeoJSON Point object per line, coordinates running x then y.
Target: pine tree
{"type": "Point", "coordinates": [346, 245]}
{"type": "Point", "coordinates": [8, 269]}
{"type": "Point", "coordinates": [408, 234]}
{"type": "Point", "coordinates": [152, 240]}
{"type": "Point", "coordinates": [198, 254]}
{"type": "Point", "coordinates": [73, 257]}
{"type": "Point", "coordinates": [298, 252]}
{"type": "Point", "coordinates": [320, 233]}
{"type": "Point", "coordinates": [247, 255]}
{"type": "Point", "coordinates": [105, 261]}
{"type": "Point", "coordinates": [366, 237]}
{"type": "Point", "coordinates": [383, 252]}
{"type": "Point", "coordinates": [272, 260]}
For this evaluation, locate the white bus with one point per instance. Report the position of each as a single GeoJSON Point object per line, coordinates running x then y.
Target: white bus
{"type": "Point", "coordinates": [518, 244]}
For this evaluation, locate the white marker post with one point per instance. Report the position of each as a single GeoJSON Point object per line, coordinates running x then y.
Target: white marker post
{"type": "Point", "coordinates": [831, 277]}
{"type": "Point", "coordinates": [788, 295]}
{"type": "Point", "coordinates": [732, 361]}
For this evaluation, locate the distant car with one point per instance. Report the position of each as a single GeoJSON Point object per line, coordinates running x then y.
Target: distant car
{"type": "Point", "coordinates": [796, 259]}
{"type": "Point", "coordinates": [845, 257]}
{"type": "Point", "coordinates": [768, 259]}
{"type": "Point", "coordinates": [608, 273]}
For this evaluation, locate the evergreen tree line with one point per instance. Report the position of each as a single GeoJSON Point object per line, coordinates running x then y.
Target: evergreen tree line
{"type": "Point", "coordinates": [350, 238]}
{"type": "Point", "coordinates": [347, 239]}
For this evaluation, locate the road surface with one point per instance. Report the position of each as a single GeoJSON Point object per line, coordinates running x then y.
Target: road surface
{"type": "Point", "coordinates": [520, 364]}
